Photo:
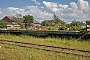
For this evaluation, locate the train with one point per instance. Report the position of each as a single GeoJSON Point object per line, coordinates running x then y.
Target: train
{"type": "Point", "coordinates": [41, 33]}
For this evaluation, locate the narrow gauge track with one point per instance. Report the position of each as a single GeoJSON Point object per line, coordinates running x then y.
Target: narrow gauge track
{"type": "Point", "coordinates": [76, 52]}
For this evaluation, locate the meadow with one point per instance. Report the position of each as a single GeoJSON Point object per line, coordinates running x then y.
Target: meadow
{"type": "Point", "coordinates": [10, 52]}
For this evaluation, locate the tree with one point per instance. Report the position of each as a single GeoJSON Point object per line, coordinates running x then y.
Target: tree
{"type": "Point", "coordinates": [29, 19]}
{"type": "Point", "coordinates": [44, 23]}
{"type": "Point", "coordinates": [75, 25]}
{"type": "Point", "coordinates": [88, 22]}
{"type": "Point", "coordinates": [58, 20]}
{"type": "Point", "coordinates": [25, 21]}
{"type": "Point", "coordinates": [53, 22]}
{"type": "Point", "coordinates": [18, 15]}
{"type": "Point", "coordinates": [55, 17]}
{"type": "Point", "coordinates": [17, 20]}
{"type": "Point", "coordinates": [62, 28]}
{"type": "Point", "coordinates": [3, 24]}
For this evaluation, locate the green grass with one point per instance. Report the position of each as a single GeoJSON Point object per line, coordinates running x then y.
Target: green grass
{"type": "Point", "coordinates": [18, 53]}
{"type": "Point", "coordinates": [72, 43]}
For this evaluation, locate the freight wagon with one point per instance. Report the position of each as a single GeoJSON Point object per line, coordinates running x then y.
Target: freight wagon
{"type": "Point", "coordinates": [62, 34]}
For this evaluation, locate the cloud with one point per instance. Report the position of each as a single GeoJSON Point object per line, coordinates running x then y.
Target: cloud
{"type": "Point", "coordinates": [51, 6]}
{"type": "Point", "coordinates": [0, 11]}
{"type": "Point", "coordinates": [36, 2]}
{"type": "Point", "coordinates": [42, 7]}
{"type": "Point", "coordinates": [78, 11]}
{"type": "Point", "coordinates": [11, 11]}
{"type": "Point", "coordinates": [28, 10]}
{"type": "Point", "coordinates": [81, 8]}
{"type": "Point", "coordinates": [37, 13]}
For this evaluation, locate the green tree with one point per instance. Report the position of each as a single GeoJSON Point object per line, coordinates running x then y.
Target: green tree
{"type": "Point", "coordinates": [58, 20]}
{"type": "Point", "coordinates": [62, 28]}
{"type": "Point", "coordinates": [88, 22]}
{"type": "Point", "coordinates": [44, 23]}
{"type": "Point", "coordinates": [17, 20]}
{"type": "Point", "coordinates": [29, 19]}
{"type": "Point", "coordinates": [3, 24]}
{"type": "Point", "coordinates": [75, 25]}
{"type": "Point", "coordinates": [18, 15]}
{"type": "Point", "coordinates": [53, 22]}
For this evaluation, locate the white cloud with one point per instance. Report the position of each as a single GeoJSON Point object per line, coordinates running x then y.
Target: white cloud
{"type": "Point", "coordinates": [51, 5]}
{"type": "Point", "coordinates": [78, 11]}
{"type": "Point", "coordinates": [1, 11]}
{"type": "Point", "coordinates": [63, 6]}
{"type": "Point", "coordinates": [12, 11]}
{"type": "Point", "coordinates": [74, 5]}
{"type": "Point", "coordinates": [84, 6]}
{"type": "Point", "coordinates": [36, 2]}
{"type": "Point", "coordinates": [81, 8]}
{"type": "Point", "coordinates": [28, 10]}
{"type": "Point", "coordinates": [42, 7]}
{"type": "Point", "coordinates": [37, 13]}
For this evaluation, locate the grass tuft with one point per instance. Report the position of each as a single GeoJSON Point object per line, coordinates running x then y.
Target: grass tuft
{"type": "Point", "coordinates": [8, 52]}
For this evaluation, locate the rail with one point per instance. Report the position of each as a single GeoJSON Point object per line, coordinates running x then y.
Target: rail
{"type": "Point", "coordinates": [76, 52]}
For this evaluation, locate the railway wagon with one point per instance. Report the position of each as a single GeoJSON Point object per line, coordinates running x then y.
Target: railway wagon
{"type": "Point", "coordinates": [43, 33]}
{"type": "Point", "coordinates": [62, 34]}
{"type": "Point", "coordinates": [56, 34]}
{"type": "Point", "coordinates": [29, 32]}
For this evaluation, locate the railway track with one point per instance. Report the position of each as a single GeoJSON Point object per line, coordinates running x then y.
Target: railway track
{"type": "Point", "coordinates": [76, 52]}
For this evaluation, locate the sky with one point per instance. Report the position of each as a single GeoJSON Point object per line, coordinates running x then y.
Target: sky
{"type": "Point", "coordinates": [67, 10]}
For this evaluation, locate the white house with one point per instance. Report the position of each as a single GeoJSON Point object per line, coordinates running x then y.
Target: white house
{"type": "Point", "coordinates": [36, 25]}
{"type": "Point", "coordinates": [13, 27]}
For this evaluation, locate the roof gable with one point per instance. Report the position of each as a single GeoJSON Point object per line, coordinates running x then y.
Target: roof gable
{"type": "Point", "coordinates": [7, 19]}
{"type": "Point", "coordinates": [36, 22]}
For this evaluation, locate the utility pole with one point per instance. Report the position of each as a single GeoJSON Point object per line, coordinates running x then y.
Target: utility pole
{"type": "Point", "coordinates": [25, 21]}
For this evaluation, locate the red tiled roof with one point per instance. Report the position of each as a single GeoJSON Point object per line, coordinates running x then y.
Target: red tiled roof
{"type": "Point", "coordinates": [7, 19]}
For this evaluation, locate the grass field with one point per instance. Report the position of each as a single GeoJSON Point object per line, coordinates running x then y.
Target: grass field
{"type": "Point", "coordinates": [9, 52]}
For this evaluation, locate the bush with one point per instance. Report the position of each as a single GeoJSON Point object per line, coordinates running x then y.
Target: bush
{"type": "Point", "coordinates": [75, 28]}
{"type": "Point", "coordinates": [62, 28]}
